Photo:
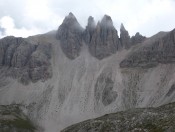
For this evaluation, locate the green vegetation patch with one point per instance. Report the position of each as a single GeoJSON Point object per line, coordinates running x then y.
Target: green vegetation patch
{"type": "Point", "coordinates": [13, 119]}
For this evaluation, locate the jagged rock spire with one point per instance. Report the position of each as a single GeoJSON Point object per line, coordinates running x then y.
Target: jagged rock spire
{"type": "Point", "coordinates": [122, 28]}
{"type": "Point", "coordinates": [89, 30]}
{"type": "Point", "coordinates": [102, 39]}
{"type": "Point", "coordinates": [91, 22]}
{"type": "Point", "coordinates": [124, 37]}
{"type": "Point", "coordinates": [105, 39]}
{"type": "Point", "coordinates": [107, 21]}
{"type": "Point", "coordinates": [70, 35]}
{"type": "Point", "coordinates": [138, 38]}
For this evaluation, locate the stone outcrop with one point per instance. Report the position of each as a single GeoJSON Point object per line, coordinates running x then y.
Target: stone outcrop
{"type": "Point", "coordinates": [124, 37]}
{"type": "Point", "coordinates": [90, 28]}
{"type": "Point", "coordinates": [102, 39]}
{"type": "Point", "coordinates": [104, 89]}
{"type": "Point", "coordinates": [8, 46]}
{"type": "Point", "coordinates": [22, 54]}
{"type": "Point", "coordinates": [39, 64]}
{"type": "Point", "coordinates": [26, 61]}
{"type": "Point", "coordinates": [105, 40]}
{"type": "Point", "coordinates": [70, 35]}
{"type": "Point", "coordinates": [138, 38]}
{"type": "Point", "coordinates": [160, 51]}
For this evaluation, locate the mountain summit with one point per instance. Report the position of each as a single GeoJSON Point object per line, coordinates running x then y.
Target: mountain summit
{"type": "Point", "coordinates": [74, 74]}
{"type": "Point", "coordinates": [102, 39]}
{"type": "Point", "coordinates": [69, 33]}
{"type": "Point", "coordinates": [124, 37]}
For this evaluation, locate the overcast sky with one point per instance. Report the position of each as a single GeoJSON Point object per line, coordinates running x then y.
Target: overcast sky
{"type": "Point", "coordinates": [30, 17]}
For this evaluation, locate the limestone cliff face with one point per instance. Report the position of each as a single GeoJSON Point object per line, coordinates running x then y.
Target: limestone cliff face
{"type": "Point", "coordinates": [105, 40]}
{"type": "Point", "coordinates": [71, 82]}
{"type": "Point", "coordinates": [27, 61]}
{"type": "Point", "coordinates": [137, 39]}
{"type": "Point", "coordinates": [102, 39]}
{"type": "Point", "coordinates": [89, 31]}
{"type": "Point", "coordinates": [70, 35]}
{"type": "Point", "coordinates": [124, 37]}
{"type": "Point", "coordinates": [8, 46]}
{"type": "Point", "coordinates": [160, 51]}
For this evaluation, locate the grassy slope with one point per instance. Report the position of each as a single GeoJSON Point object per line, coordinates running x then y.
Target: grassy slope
{"type": "Point", "coordinates": [161, 119]}
{"type": "Point", "coordinates": [12, 119]}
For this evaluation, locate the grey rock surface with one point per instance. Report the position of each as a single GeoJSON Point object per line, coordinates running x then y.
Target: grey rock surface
{"type": "Point", "coordinates": [89, 31]}
{"type": "Point", "coordinates": [22, 54]}
{"type": "Point", "coordinates": [39, 64]}
{"type": "Point", "coordinates": [160, 51]}
{"type": "Point", "coordinates": [105, 40]}
{"type": "Point", "coordinates": [102, 39]}
{"type": "Point", "coordinates": [124, 37]}
{"type": "Point", "coordinates": [104, 89]}
{"type": "Point", "coordinates": [8, 46]}
{"type": "Point", "coordinates": [70, 35]}
{"type": "Point", "coordinates": [26, 61]}
{"type": "Point", "coordinates": [138, 38]}
{"type": "Point", "coordinates": [66, 91]}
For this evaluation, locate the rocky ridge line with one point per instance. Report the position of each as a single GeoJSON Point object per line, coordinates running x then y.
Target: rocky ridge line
{"type": "Point", "coordinates": [102, 39]}
{"type": "Point", "coordinates": [150, 55]}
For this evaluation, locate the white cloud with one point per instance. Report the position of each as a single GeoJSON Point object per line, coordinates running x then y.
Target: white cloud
{"type": "Point", "coordinates": [38, 13]}
{"type": "Point", "coordinates": [151, 17]}
{"type": "Point", "coordinates": [7, 24]}
{"type": "Point", "coordinates": [146, 16]}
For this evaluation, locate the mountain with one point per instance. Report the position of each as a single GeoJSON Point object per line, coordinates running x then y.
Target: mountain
{"type": "Point", "coordinates": [74, 74]}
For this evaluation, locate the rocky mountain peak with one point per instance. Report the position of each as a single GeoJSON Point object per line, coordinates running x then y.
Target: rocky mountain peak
{"type": "Point", "coordinates": [106, 18]}
{"type": "Point", "coordinates": [89, 30]}
{"type": "Point", "coordinates": [124, 37]}
{"type": "Point", "coordinates": [122, 28]}
{"type": "Point", "coordinates": [137, 34]}
{"type": "Point", "coordinates": [102, 38]}
{"type": "Point", "coordinates": [70, 35]}
{"type": "Point", "coordinates": [106, 21]}
{"type": "Point", "coordinates": [71, 22]}
{"type": "Point", "coordinates": [138, 38]}
{"type": "Point", "coordinates": [91, 22]}
{"type": "Point", "coordinates": [105, 40]}
{"type": "Point", "coordinates": [70, 16]}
